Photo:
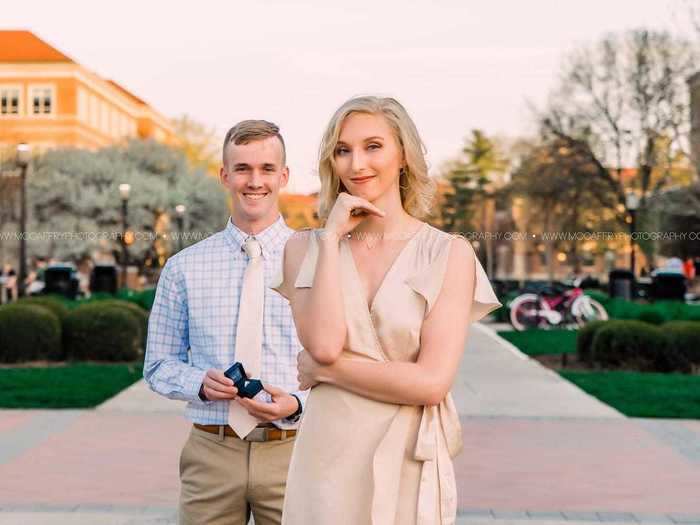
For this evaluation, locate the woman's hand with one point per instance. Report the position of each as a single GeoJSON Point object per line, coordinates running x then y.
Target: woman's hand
{"type": "Point", "coordinates": [308, 370]}
{"type": "Point", "coordinates": [349, 211]}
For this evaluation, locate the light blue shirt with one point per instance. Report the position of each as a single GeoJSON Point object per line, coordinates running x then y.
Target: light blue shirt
{"type": "Point", "coordinates": [196, 308]}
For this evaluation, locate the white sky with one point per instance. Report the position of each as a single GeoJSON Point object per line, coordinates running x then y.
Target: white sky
{"type": "Point", "coordinates": [455, 65]}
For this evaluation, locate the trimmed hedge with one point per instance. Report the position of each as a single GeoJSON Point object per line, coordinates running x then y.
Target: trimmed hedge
{"type": "Point", "coordinates": [29, 332]}
{"type": "Point", "coordinates": [667, 310]}
{"type": "Point", "coordinates": [143, 298]}
{"type": "Point", "coordinates": [584, 341]}
{"type": "Point", "coordinates": [99, 332]}
{"type": "Point", "coordinates": [652, 317]}
{"type": "Point", "coordinates": [685, 336]}
{"type": "Point", "coordinates": [47, 301]}
{"type": "Point", "coordinates": [139, 314]}
{"type": "Point", "coordinates": [637, 345]}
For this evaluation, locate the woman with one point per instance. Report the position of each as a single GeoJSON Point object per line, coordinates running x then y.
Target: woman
{"type": "Point", "coordinates": [380, 300]}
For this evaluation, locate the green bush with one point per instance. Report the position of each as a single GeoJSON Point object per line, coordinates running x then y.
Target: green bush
{"type": "Point", "coordinates": [671, 310]}
{"type": "Point", "coordinates": [502, 315]}
{"type": "Point", "coordinates": [656, 313]}
{"type": "Point", "coordinates": [139, 314]}
{"type": "Point", "coordinates": [597, 295]}
{"type": "Point", "coordinates": [143, 298]}
{"type": "Point", "coordinates": [146, 298]}
{"type": "Point", "coordinates": [100, 332]}
{"type": "Point", "coordinates": [29, 332]}
{"type": "Point", "coordinates": [691, 312]}
{"type": "Point", "coordinates": [636, 345]}
{"type": "Point", "coordinates": [59, 309]}
{"type": "Point", "coordinates": [584, 341]}
{"type": "Point", "coordinates": [652, 317]}
{"type": "Point", "coordinates": [684, 337]}
{"type": "Point", "coordinates": [621, 309]}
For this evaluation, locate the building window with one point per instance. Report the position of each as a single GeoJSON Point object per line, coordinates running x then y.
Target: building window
{"type": "Point", "coordinates": [42, 99]}
{"type": "Point", "coordinates": [9, 101]}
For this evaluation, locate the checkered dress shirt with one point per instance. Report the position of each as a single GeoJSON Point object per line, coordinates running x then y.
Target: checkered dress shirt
{"type": "Point", "coordinates": [196, 308]}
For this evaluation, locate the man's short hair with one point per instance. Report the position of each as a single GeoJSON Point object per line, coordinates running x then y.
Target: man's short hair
{"type": "Point", "coordinates": [248, 131]}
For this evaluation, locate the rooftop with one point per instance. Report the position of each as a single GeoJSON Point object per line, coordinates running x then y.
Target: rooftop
{"type": "Point", "coordinates": [25, 46]}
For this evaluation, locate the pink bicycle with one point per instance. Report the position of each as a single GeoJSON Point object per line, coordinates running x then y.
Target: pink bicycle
{"type": "Point", "coordinates": [558, 305]}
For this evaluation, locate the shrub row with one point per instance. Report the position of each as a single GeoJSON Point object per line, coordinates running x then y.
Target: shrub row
{"type": "Point", "coordinates": [144, 298]}
{"type": "Point", "coordinates": [638, 345]}
{"type": "Point", "coordinates": [658, 312]}
{"type": "Point", "coordinates": [46, 329]}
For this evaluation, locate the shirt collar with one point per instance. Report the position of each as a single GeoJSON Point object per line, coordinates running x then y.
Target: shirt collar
{"type": "Point", "coordinates": [270, 239]}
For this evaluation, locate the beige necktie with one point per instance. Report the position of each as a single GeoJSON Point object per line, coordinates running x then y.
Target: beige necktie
{"type": "Point", "coordinates": [249, 332]}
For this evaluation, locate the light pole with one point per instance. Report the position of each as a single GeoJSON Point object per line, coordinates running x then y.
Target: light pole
{"type": "Point", "coordinates": [24, 154]}
{"type": "Point", "coordinates": [124, 190]}
{"type": "Point", "coordinates": [632, 204]}
{"type": "Point", "coordinates": [478, 186]}
{"type": "Point", "coordinates": [180, 210]}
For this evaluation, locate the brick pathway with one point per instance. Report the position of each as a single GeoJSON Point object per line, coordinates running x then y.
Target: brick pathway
{"type": "Point", "coordinates": [537, 450]}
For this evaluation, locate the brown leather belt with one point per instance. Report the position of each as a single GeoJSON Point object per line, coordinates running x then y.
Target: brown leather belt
{"type": "Point", "coordinates": [258, 434]}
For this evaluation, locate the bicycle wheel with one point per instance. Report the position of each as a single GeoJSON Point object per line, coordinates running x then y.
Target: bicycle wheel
{"type": "Point", "coordinates": [586, 310]}
{"type": "Point", "coordinates": [525, 313]}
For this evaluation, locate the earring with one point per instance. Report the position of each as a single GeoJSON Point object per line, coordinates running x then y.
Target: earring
{"type": "Point", "coordinates": [402, 173]}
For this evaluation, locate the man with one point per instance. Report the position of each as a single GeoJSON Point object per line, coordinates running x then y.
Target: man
{"type": "Point", "coordinates": [211, 299]}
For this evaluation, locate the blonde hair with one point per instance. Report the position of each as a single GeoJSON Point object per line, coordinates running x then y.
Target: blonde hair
{"type": "Point", "coordinates": [416, 187]}
{"type": "Point", "coordinates": [248, 131]}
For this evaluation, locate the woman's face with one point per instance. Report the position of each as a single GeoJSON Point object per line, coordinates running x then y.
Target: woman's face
{"type": "Point", "coordinates": [368, 157]}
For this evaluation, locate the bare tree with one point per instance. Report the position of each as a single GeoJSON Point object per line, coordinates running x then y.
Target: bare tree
{"type": "Point", "coordinates": [624, 103]}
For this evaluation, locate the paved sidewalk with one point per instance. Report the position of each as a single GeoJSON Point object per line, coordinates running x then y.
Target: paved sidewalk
{"type": "Point", "coordinates": [496, 379]}
{"type": "Point", "coordinates": [537, 450]}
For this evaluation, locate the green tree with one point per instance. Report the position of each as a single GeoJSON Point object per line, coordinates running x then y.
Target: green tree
{"type": "Point", "coordinates": [474, 180]}
{"type": "Point", "coordinates": [558, 183]}
{"type": "Point", "coordinates": [73, 191]}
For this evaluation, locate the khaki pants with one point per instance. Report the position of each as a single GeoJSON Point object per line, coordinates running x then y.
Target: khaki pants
{"type": "Point", "coordinates": [222, 481]}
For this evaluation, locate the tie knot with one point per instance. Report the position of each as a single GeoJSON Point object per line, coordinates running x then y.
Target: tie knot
{"type": "Point", "coordinates": [252, 248]}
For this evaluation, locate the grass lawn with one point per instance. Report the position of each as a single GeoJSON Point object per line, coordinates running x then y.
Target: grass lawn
{"type": "Point", "coordinates": [642, 394]}
{"type": "Point", "coordinates": [635, 394]}
{"type": "Point", "coordinates": [541, 342]}
{"type": "Point", "coordinates": [75, 385]}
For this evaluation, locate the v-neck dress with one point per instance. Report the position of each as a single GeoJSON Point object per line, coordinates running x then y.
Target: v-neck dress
{"type": "Point", "coordinates": [357, 461]}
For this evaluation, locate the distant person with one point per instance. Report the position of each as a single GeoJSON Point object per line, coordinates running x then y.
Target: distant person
{"type": "Point", "coordinates": [673, 265]}
{"type": "Point", "coordinates": [35, 281]}
{"type": "Point", "coordinates": [689, 269]}
{"type": "Point", "coordinates": [84, 270]}
{"type": "Point", "coordinates": [10, 283]}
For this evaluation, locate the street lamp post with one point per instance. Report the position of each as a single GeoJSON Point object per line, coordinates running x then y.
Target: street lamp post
{"type": "Point", "coordinates": [180, 218]}
{"type": "Point", "coordinates": [124, 190]}
{"type": "Point", "coordinates": [632, 204]}
{"type": "Point", "coordinates": [23, 159]}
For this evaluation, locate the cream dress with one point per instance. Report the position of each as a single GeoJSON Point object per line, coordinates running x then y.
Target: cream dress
{"type": "Point", "coordinates": [357, 461]}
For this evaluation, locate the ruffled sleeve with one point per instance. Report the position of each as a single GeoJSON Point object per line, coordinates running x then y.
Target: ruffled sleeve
{"type": "Point", "coordinates": [428, 282]}
{"type": "Point", "coordinates": [305, 277]}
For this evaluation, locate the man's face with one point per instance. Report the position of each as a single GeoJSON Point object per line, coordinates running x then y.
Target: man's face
{"type": "Point", "coordinates": [253, 175]}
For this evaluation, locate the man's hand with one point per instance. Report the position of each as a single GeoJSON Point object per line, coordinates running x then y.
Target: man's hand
{"type": "Point", "coordinates": [283, 404]}
{"type": "Point", "coordinates": [216, 386]}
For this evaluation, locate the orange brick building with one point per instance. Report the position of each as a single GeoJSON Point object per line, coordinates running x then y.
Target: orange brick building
{"type": "Point", "coordinates": [48, 100]}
